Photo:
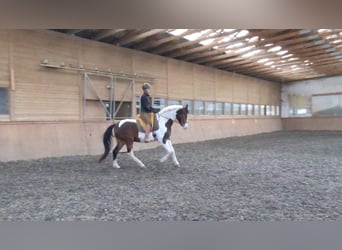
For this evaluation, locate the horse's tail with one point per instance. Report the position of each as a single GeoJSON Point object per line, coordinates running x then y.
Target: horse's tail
{"type": "Point", "coordinates": [107, 140]}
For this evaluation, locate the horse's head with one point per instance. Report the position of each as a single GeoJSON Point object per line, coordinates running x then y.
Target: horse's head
{"type": "Point", "coordinates": [182, 116]}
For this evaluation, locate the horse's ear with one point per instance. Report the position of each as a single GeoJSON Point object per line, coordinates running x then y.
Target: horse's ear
{"type": "Point", "coordinates": [186, 108]}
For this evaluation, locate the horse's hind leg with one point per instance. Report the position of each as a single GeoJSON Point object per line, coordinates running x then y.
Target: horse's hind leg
{"type": "Point", "coordinates": [130, 151]}
{"type": "Point", "coordinates": [116, 150]}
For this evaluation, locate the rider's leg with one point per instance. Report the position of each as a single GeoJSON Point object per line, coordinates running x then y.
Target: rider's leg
{"type": "Point", "coordinates": [147, 132]}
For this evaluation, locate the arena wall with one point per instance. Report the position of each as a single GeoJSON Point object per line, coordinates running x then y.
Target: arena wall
{"type": "Point", "coordinates": [46, 105]}
{"type": "Point", "coordinates": [313, 123]}
{"type": "Point", "coordinates": [33, 140]}
{"type": "Point", "coordinates": [312, 104]}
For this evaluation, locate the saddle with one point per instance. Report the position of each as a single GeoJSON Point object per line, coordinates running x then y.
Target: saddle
{"type": "Point", "coordinates": [142, 124]}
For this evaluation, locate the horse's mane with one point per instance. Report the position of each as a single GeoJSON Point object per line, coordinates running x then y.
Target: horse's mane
{"type": "Point", "coordinates": [170, 108]}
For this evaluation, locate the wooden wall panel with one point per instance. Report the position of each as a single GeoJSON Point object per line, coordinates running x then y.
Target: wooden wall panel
{"type": "Point", "coordinates": [224, 86]}
{"type": "Point", "coordinates": [94, 110]}
{"type": "Point", "coordinates": [276, 92]}
{"type": "Point", "coordinates": [253, 92]}
{"type": "Point", "coordinates": [265, 93]}
{"type": "Point", "coordinates": [180, 80]}
{"type": "Point", "coordinates": [269, 93]}
{"type": "Point", "coordinates": [312, 123]}
{"type": "Point", "coordinates": [41, 101]}
{"type": "Point", "coordinates": [39, 45]}
{"type": "Point", "coordinates": [239, 90]}
{"type": "Point", "coordinates": [151, 66]}
{"type": "Point", "coordinates": [105, 57]}
{"type": "Point", "coordinates": [4, 59]}
{"type": "Point", "coordinates": [204, 83]}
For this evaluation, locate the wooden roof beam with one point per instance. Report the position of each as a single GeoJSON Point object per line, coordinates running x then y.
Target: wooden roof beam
{"type": "Point", "coordinates": [183, 44]}
{"type": "Point", "coordinates": [107, 33]}
{"type": "Point", "coordinates": [153, 44]}
{"type": "Point", "coordinates": [133, 37]}
{"type": "Point", "coordinates": [257, 44]}
{"type": "Point", "coordinates": [216, 40]}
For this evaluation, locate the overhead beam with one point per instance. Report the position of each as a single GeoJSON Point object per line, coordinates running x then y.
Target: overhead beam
{"type": "Point", "coordinates": [107, 33]}
{"type": "Point", "coordinates": [217, 38]}
{"type": "Point", "coordinates": [153, 44]}
{"type": "Point", "coordinates": [136, 37]}
{"type": "Point", "coordinates": [182, 44]}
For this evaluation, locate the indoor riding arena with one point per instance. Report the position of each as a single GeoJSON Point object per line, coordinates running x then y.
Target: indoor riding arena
{"type": "Point", "coordinates": [264, 125]}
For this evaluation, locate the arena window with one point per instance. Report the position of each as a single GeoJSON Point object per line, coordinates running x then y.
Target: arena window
{"type": "Point", "coordinates": [250, 109]}
{"type": "Point", "coordinates": [262, 110]}
{"type": "Point", "coordinates": [257, 110]}
{"type": "Point", "coordinates": [219, 108]}
{"type": "Point", "coordinates": [137, 104]}
{"type": "Point", "coordinates": [327, 105]}
{"type": "Point", "coordinates": [227, 108]}
{"type": "Point", "coordinates": [209, 108]}
{"type": "Point", "coordinates": [243, 108]}
{"type": "Point", "coordinates": [199, 107]}
{"type": "Point", "coordinates": [268, 110]}
{"type": "Point", "coordinates": [4, 101]}
{"type": "Point", "coordinates": [173, 102]}
{"type": "Point", "coordinates": [159, 103]}
{"type": "Point", "coordinates": [236, 108]}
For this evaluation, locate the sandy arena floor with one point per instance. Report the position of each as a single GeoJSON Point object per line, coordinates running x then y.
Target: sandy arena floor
{"type": "Point", "coordinates": [293, 176]}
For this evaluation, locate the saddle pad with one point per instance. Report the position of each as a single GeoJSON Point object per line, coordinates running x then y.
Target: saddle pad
{"type": "Point", "coordinates": [142, 125]}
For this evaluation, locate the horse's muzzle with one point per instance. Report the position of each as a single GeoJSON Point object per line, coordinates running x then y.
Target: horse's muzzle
{"type": "Point", "coordinates": [186, 125]}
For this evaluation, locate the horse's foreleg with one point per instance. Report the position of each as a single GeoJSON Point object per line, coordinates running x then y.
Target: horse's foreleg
{"type": "Point", "coordinates": [170, 151]}
{"type": "Point", "coordinates": [174, 157]}
{"type": "Point", "coordinates": [130, 151]}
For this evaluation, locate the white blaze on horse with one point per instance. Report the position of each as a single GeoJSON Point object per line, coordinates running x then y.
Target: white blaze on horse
{"type": "Point", "coordinates": [126, 133]}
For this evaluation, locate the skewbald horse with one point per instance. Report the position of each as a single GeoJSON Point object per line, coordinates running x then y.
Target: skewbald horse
{"type": "Point", "coordinates": [126, 133]}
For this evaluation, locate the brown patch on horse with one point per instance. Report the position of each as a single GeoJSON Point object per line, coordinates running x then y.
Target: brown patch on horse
{"type": "Point", "coordinates": [167, 134]}
{"type": "Point", "coordinates": [127, 132]}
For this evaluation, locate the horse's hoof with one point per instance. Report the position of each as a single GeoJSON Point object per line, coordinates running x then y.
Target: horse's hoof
{"type": "Point", "coordinates": [142, 165]}
{"type": "Point", "coordinates": [177, 165]}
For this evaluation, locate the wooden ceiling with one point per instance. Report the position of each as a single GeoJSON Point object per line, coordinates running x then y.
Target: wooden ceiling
{"type": "Point", "coordinates": [281, 55]}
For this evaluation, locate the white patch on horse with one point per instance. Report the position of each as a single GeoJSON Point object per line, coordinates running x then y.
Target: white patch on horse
{"type": "Point", "coordinates": [115, 164]}
{"type": "Point", "coordinates": [126, 120]}
{"type": "Point", "coordinates": [136, 159]}
{"type": "Point", "coordinates": [141, 136]}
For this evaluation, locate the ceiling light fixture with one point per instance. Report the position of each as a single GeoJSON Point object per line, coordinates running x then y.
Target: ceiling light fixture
{"type": "Point", "coordinates": [283, 52]}
{"type": "Point", "coordinates": [274, 49]}
{"type": "Point", "coordinates": [263, 60]}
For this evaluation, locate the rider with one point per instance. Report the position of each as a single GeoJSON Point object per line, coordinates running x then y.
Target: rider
{"type": "Point", "coordinates": [146, 110]}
